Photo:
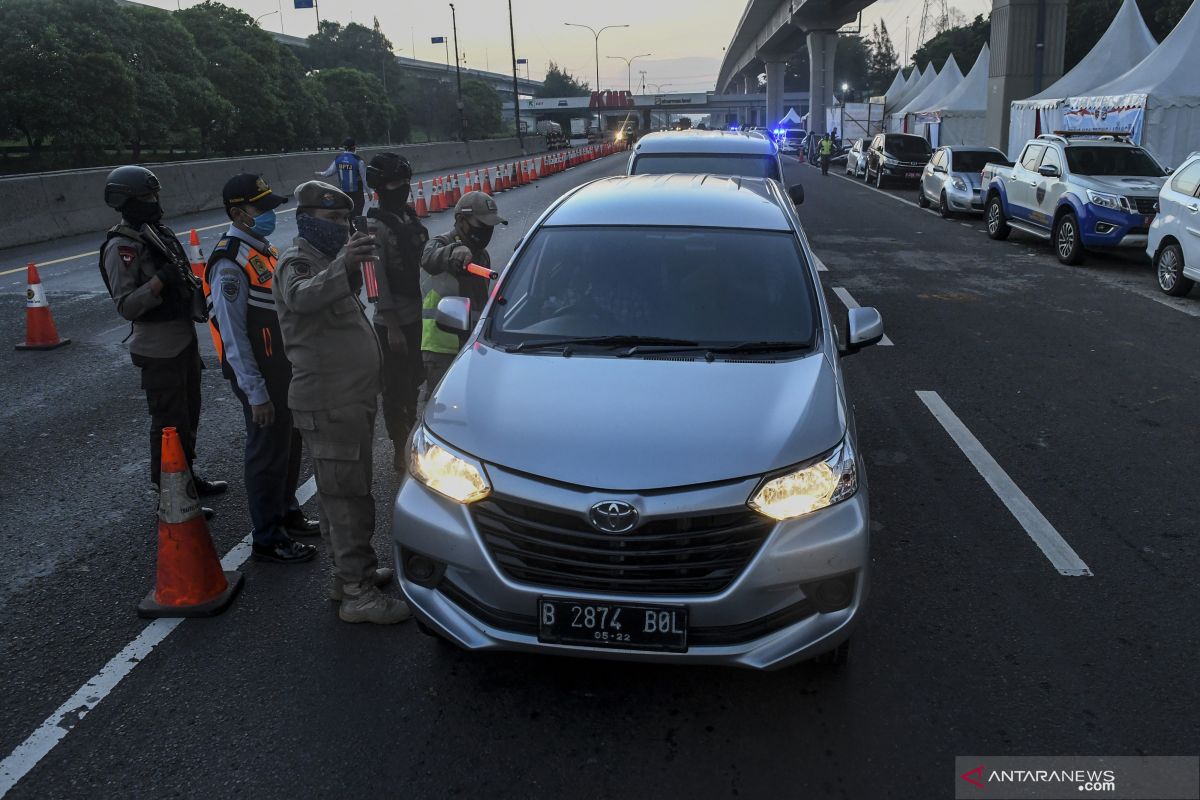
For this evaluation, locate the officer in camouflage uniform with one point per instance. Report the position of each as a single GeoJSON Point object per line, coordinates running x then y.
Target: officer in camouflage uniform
{"type": "Point", "coordinates": [335, 382]}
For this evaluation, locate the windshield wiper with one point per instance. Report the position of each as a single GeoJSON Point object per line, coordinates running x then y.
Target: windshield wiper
{"type": "Point", "coordinates": [741, 347]}
{"type": "Point", "coordinates": [600, 341]}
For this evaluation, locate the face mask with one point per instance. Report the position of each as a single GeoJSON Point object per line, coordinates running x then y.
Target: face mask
{"type": "Point", "coordinates": [477, 238]}
{"type": "Point", "coordinates": [264, 224]}
{"type": "Point", "coordinates": [326, 236]}
{"type": "Point", "coordinates": [394, 200]}
{"type": "Point", "coordinates": [141, 212]}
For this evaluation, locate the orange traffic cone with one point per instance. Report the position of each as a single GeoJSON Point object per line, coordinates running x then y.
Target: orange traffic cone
{"type": "Point", "coordinates": [189, 581]}
{"type": "Point", "coordinates": [501, 178]}
{"type": "Point", "coordinates": [196, 255]}
{"type": "Point", "coordinates": [477, 186]}
{"type": "Point", "coordinates": [457, 188]}
{"type": "Point", "coordinates": [422, 209]}
{"type": "Point", "coordinates": [443, 194]}
{"type": "Point", "coordinates": [487, 182]}
{"type": "Point", "coordinates": [40, 332]}
{"type": "Point", "coordinates": [435, 197]}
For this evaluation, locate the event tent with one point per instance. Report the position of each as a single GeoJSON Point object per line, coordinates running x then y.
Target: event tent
{"type": "Point", "coordinates": [958, 118]}
{"type": "Point", "coordinates": [946, 81]}
{"type": "Point", "coordinates": [915, 85]}
{"type": "Point", "coordinates": [1157, 101]}
{"type": "Point", "coordinates": [1126, 42]}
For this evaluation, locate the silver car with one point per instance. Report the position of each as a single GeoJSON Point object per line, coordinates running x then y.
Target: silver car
{"type": "Point", "coordinates": [951, 180]}
{"type": "Point", "coordinates": [711, 152]}
{"type": "Point", "coordinates": [645, 449]}
{"type": "Point", "coordinates": [856, 159]}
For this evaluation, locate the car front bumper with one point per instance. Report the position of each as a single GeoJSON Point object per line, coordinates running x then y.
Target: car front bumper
{"type": "Point", "coordinates": [964, 200]}
{"type": "Point", "coordinates": [1104, 227]}
{"type": "Point", "coordinates": [766, 618]}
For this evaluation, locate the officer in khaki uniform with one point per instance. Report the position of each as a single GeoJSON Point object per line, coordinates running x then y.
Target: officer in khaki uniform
{"type": "Point", "coordinates": [335, 384]}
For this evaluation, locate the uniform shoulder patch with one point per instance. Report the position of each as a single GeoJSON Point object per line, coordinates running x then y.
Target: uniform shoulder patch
{"type": "Point", "coordinates": [224, 241]}
{"type": "Point", "coordinates": [231, 288]}
{"type": "Point", "coordinates": [302, 268]}
{"type": "Point", "coordinates": [127, 253]}
{"type": "Point", "coordinates": [260, 268]}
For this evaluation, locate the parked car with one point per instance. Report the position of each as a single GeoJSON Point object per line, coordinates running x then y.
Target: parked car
{"type": "Point", "coordinates": [952, 178]}
{"type": "Point", "coordinates": [856, 161]}
{"type": "Point", "coordinates": [790, 140]}
{"type": "Point", "coordinates": [712, 152]}
{"type": "Point", "coordinates": [1079, 191]}
{"type": "Point", "coordinates": [1174, 240]}
{"type": "Point", "coordinates": [896, 156]}
{"type": "Point", "coordinates": [558, 498]}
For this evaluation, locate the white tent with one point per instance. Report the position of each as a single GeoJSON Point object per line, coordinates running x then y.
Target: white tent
{"type": "Point", "coordinates": [791, 120]}
{"type": "Point", "coordinates": [959, 117]}
{"type": "Point", "coordinates": [916, 84]}
{"type": "Point", "coordinates": [899, 84]}
{"type": "Point", "coordinates": [1158, 101]}
{"type": "Point", "coordinates": [1126, 42]}
{"type": "Point", "coordinates": [946, 82]}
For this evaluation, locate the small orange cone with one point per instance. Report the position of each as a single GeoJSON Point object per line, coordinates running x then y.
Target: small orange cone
{"type": "Point", "coordinates": [422, 209]}
{"type": "Point", "coordinates": [457, 188]}
{"type": "Point", "coordinates": [40, 331]}
{"type": "Point", "coordinates": [487, 181]}
{"type": "Point", "coordinates": [196, 255]}
{"type": "Point", "coordinates": [435, 197]}
{"type": "Point", "coordinates": [190, 581]}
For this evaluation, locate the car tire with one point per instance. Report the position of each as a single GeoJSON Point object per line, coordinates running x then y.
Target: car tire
{"type": "Point", "coordinates": [922, 200]}
{"type": "Point", "coordinates": [1168, 266]}
{"type": "Point", "coordinates": [1065, 238]}
{"type": "Point", "coordinates": [997, 225]}
{"type": "Point", "coordinates": [879, 179]}
{"type": "Point", "coordinates": [944, 208]}
{"type": "Point", "coordinates": [836, 658]}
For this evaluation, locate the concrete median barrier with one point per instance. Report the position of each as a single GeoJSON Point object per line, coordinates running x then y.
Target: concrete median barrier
{"type": "Point", "coordinates": [52, 205]}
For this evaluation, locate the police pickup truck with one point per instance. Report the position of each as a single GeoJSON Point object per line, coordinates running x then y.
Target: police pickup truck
{"type": "Point", "coordinates": [1077, 190]}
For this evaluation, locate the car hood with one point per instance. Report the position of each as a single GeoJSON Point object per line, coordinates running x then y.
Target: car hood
{"type": "Point", "coordinates": [973, 179]}
{"type": "Point", "coordinates": [1146, 187]}
{"type": "Point", "coordinates": [637, 424]}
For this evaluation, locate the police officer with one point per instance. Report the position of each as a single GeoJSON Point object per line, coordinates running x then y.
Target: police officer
{"type": "Point", "coordinates": [335, 381]}
{"type": "Point", "coordinates": [246, 331]}
{"type": "Point", "coordinates": [400, 239]}
{"type": "Point", "coordinates": [148, 276]}
{"type": "Point", "coordinates": [826, 150]}
{"type": "Point", "coordinates": [352, 174]}
{"type": "Point", "coordinates": [444, 274]}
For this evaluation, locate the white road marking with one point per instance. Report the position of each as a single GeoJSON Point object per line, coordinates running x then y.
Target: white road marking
{"type": "Point", "coordinates": [1052, 545]}
{"type": "Point", "coordinates": [820, 264]}
{"type": "Point", "coordinates": [849, 301]}
{"type": "Point", "coordinates": [38, 745]}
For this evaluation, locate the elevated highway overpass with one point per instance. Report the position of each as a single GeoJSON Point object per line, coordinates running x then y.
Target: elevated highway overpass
{"type": "Point", "coordinates": [745, 108]}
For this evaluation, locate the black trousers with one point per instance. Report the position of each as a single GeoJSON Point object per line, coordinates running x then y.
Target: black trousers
{"type": "Point", "coordinates": [359, 199]}
{"type": "Point", "coordinates": [173, 394]}
{"type": "Point", "coordinates": [272, 465]}
{"type": "Point", "coordinates": [402, 376]}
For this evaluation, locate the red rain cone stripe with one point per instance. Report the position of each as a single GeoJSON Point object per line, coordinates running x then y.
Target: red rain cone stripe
{"type": "Point", "coordinates": [40, 331]}
{"type": "Point", "coordinates": [189, 581]}
{"type": "Point", "coordinates": [422, 209]}
{"type": "Point", "coordinates": [487, 181]}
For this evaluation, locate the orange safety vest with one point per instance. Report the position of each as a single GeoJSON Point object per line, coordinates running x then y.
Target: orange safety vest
{"type": "Point", "coordinates": [262, 321]}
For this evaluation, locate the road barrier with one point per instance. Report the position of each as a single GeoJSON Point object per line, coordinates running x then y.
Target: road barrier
{"type": "Point", "coordinates": [40, 331]}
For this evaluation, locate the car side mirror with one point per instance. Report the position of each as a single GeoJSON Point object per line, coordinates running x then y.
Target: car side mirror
{"type": "Point", "coordinates": [939, 168]}
{"type": "Point", "coordinates": [866, 329]}
{"type": "Point", "coordinates": [453, 315]}
{"type": "Point", "coordinates": [1048, 171]}
{"type": "Point", "coordinates": [796, 192]}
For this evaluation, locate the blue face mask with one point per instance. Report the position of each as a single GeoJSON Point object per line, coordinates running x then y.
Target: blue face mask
{"type": "Point", "coordinates": [264, 224]}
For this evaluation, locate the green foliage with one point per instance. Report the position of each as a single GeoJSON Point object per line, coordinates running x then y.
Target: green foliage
{"type": "Point", "coordinates": [358, 99]}
{"type": "Point", "coordinates": [481, 107]}
{"type": "Point", "coordinates": [963, 41]}
{"type": "Point", "coordinates": [1087, 20]}
{"type": "Point", "coordinates": [882, 60]}
{"type": "Point", "coordinates": [560, 83]}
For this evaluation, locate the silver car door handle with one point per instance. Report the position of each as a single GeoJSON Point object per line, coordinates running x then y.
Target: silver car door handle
{"type": "Point", "coordinates": [1033, 183]}
{"type": "Point", "coordinates": [1193, 208]}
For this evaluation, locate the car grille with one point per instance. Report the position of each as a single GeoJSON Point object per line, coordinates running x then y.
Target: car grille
{"type": "Point", "coordinates": [665, 556]}
{"type": "Point", "coordinates": [1142, 205]}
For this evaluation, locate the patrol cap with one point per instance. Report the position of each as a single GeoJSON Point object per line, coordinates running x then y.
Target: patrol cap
{"type": "Point", "coordinates": [480, 207]}
{"type": "Point", "coordinates": [250, 189]}
{"type": "Point", "coordinates": [318, 194]}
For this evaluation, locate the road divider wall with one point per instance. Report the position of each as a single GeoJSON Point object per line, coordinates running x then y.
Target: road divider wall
{"type": "Point", "coordinates": [52, 205]}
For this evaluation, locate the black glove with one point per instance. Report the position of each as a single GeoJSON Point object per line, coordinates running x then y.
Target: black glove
{"type": "Point", "coordinates": [170, 277]}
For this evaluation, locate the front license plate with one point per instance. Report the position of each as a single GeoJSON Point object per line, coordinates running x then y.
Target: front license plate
{"type": "Point", "coordinates": [913, 175]}
{"type": "Point", "coordinates": [612, 625]}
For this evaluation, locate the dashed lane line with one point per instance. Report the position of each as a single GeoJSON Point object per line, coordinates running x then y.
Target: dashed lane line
{"type": "Point", "coordinates": [820, 264]}
{"type": "Point", "coordinates": [1044, 535]}
{"type": "Point", "coordinates": [849, 301]}
{"type": "Point", "coordinates": [55, 728]}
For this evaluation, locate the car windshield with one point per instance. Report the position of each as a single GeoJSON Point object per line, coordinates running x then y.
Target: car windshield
{"type": "Point", "coordinates": [745, 165]}
{"type": "Point", "coordinates": [974, 160]}
{"type": "Point", "coordinates": [712, 286]}
{"type": "Point", "coordinates": [911, 148]}
{"type": "Point", "coordinates": [1123, 161]}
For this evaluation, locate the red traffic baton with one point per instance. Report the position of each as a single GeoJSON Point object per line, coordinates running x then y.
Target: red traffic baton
{"type": "Point", "coordinates": [482, 271]}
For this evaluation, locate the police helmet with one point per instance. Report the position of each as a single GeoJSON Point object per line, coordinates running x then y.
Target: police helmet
{"type": "Point", "coordinates": [126, 182]}
{"type": "Point", "coordinates": [386, 168]}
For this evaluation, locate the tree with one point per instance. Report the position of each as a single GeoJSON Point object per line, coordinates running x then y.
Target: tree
{"type": "Point", "coordinates": [359, 100]}
{"type": "Point", "coordinates": [482, 109]}
{"type": "Point", "coordinates": [882, 60]}
{"type": "Point", "coordinates": [560, 83]}
{"type": "Point", "coordinates": [963, 41]}
{"type": "Point", "coordinates": [1087, 20]}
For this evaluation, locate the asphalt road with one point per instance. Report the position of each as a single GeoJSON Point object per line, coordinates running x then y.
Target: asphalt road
{"type": "Point", "coordinates": [1077, 383]}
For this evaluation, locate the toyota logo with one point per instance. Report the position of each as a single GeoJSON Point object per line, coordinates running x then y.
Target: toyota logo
{"type": "Point", "coordinates": [613, 516]}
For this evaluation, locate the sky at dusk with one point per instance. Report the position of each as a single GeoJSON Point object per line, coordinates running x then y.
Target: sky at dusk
{"type": "Point", "coordinates": [684, 39]}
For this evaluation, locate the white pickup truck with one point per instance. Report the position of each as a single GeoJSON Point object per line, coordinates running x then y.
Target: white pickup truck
{"type": "Point", "coordinates": [1079, 191]}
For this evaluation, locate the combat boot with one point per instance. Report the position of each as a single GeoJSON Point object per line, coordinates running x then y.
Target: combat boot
{"type": "Point", "coordinates": [383, 576]}
{"type": "Point", "coordinates": [363, 602]}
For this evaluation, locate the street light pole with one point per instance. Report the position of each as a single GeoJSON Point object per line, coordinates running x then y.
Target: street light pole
{"type": "Point", "coordinates": [264, 16]}
{"type": "Point", "coordinates": [512, 38]}
{"type": "Point", "coordinates": [462, 119]}
{"type": "Point", "coordinates": [629, 68]}
{"type": "Point", "coordinates": [596, 34]}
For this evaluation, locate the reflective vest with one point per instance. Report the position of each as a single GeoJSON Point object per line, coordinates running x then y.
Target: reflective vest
{"type": "Point", "coordinates": [262, 321]}
{"type": "Point", "coordinates": [348, 174]}
{"type": "Point", "coordinates": [433, 289]}
{"type": "Point", "coordinates": [826, 147]}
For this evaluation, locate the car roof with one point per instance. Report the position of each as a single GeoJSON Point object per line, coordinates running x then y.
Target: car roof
{"type": "Point", "coordinates": [693, 141]}
{"type": "Point", "coordinates": [710, 201]}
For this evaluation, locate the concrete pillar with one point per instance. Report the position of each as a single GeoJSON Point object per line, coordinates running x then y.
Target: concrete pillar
{"type": "Point", "coordinates": [822, 45]}
{"type": "Point", "coordinates": [774, 92]}
{"type": "Point", "coordinates": [1015, 69]}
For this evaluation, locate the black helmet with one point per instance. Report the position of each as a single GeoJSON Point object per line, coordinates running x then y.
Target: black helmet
{"type": "Point", "coordinates": [126, 182]}
{"type": "Point", "coordinates": [387, 167]}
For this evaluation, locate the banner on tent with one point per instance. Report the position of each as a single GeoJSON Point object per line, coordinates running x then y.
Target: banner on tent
{"type": "Point", "coordinates": [1125, 114]}
{"type": "Point", "coordinates": [928, 117]}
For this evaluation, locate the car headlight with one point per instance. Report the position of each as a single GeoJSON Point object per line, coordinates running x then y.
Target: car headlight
{"type": "Point", "coordinates": [814, 487]}
{"type": "Point", "coordinates": [960, 184]}
{"type": "Point", "coordinates": [1104, 200]}
{"type": "Point", "coordinates": [891, 162]}
{"type": "Point", "coordinates": [448, 473]}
